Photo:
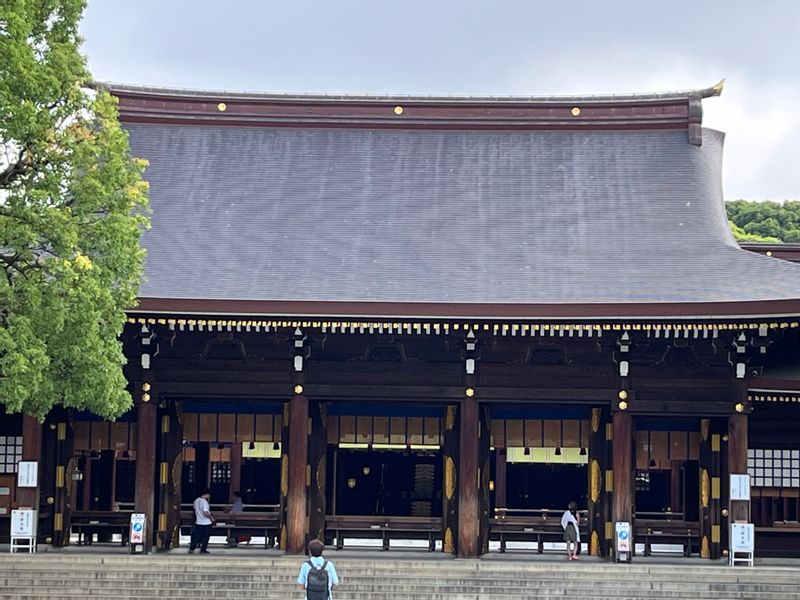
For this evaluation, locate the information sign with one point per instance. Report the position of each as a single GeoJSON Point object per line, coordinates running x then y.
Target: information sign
{"type": "Point", "coordinates": [27, 473]}
{"type": "Point", "coordinates": [137, 528]}
{"type": "Point", "coordinates": [624, 542]}
{"type": "Point", "coordinates": [23, 523]}
{"type": "Point", "coordinates": [740, 487]}
{"type": "Point", "coordinates": [742, 537]}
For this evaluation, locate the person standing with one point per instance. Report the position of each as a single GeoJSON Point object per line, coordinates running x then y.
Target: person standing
{"type": "Point", "coordinates": [571, 527]}
{"type": "Point", "coordinates": [317, 576]}
{"type": "Point", "coordinates": [202, 523]}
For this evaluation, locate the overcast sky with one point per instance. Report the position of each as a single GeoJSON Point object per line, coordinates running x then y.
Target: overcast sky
{"type": "Point", "coordinates": [494, 47]}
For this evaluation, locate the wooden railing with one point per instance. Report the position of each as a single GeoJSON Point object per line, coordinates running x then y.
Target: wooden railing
{"type": "Point", "coordinates": [667, 531]}
{"type": "Point", "coordinates": [88, 523]}
{"type": "Point", "coordinates": [536, 525]}
{"type": "Point", "coordinates": [257, 520]}
{"type": "Point", "coordinates": [384, 528]}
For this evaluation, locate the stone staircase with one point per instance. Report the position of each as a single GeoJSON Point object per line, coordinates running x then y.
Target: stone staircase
{"type": "Point", "coordinates": [375, 576]}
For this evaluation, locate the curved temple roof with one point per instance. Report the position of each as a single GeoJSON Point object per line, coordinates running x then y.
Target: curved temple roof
{"type": "Point", "coordinates": [404, 207]}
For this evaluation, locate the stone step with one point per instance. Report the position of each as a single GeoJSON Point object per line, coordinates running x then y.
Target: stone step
{"type": "Point", "coordinates": [122, 578]}
{"type": "Point", "coordinates": [114, 577]}
{"type": "Point", "coordinates": [126, 577]}
{"type": "Point", "coordinates": [344, 595]}
{"type": "Point", "coordinates": [382, 590]}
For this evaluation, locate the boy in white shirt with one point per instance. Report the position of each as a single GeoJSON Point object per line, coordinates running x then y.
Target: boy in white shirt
{"type": "Point", "coordinates": [316, 574]}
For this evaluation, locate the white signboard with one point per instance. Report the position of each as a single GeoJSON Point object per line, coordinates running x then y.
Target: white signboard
{"type": "Point", "coordinates": [740, 487]}
{"type": "Point", "coordinates": [28, 473]}
{"type": "Point", "coordinates": [23, 523]}
{"type": "Point", "coordinates": [137, 528]}
{"type": "Point", "coordinates": [743, 537]}
{"type": "Point", "coordinates": [623, 529]}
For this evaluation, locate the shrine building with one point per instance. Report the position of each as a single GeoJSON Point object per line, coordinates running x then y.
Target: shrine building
{"type": "Point", "coordinates": [437, 319]}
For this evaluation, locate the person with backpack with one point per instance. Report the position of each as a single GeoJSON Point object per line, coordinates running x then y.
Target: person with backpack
{"type": "Point", "coordinates": [317, 576]}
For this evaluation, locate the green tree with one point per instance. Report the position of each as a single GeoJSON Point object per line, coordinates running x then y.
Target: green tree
{"type": "Point", "coordinates": [765, 221]}
{"type": "Point", "coordinates": [73, 207]}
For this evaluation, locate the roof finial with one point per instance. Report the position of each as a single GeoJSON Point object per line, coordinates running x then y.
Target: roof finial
{"type": "Point", "coordinates": [718, 88]}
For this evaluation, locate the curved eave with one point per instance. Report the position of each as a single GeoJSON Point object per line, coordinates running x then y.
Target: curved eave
{"type": "Point", "coordinates": [669, 110]}
{"type": "Point", "coordinates": [651, 312]}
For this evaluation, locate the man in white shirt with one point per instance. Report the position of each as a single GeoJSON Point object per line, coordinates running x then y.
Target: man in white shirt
{"type": "Point", "coordinates": [202, 523]}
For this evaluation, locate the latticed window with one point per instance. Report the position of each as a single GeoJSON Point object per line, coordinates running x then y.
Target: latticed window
{"type": "Point", "coordinates": [10, 453]}
{"type": "Point", "coordinates": [774, 468]}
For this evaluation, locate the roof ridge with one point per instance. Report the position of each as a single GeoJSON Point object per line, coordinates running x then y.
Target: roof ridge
{"type": "Point", "coordinates": [707, 92]}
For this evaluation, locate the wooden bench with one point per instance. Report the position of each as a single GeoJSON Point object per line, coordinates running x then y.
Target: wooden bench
{"type": "Point", "coordinates": [385, 528]}
{"type": "Point", "coordinates": [246, 523]}
{"type": "Point", "coordinates": [667, 531]}
{"type": "Point", "coordinates": [514, 528]}
{"type": "Point", "coordinates": [88, 523]}
{"type": "Point", "coordinates": [779, 540]}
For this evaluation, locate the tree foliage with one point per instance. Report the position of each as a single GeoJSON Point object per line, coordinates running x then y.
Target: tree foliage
{"type": "Point", "coordinates": [72, 209]}
{"type": "Point", "coordinates": [765, 221]}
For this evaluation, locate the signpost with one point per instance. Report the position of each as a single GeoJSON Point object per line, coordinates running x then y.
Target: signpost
{"type": "Point", "coordinates": [137, 532]}
{"type": "Point", "coordinates": [742, 534]}
{"type": "Point", "coordinates": [623, 538]}
{"type": "Point", "coordinates": [743, 544]}
{"type": "Point", "coordinates": [23, 530]}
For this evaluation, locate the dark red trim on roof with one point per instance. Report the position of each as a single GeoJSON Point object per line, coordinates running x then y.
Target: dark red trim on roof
{"type": "Point", "coordinates": [658, 111]}
{"type": "Point", "coordinates": [767, 385]}
{"type": "Point", "coordinates": [297, 308]}
{"type": "Point", "coordinates": [790, 252]}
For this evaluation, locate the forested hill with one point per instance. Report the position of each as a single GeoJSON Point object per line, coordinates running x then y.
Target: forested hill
{"type": "Point", "coordinates": [765, 221]}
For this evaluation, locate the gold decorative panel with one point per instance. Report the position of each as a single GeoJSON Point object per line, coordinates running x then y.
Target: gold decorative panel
{"type": "Point", "coordinates": [449, 477]}
{"type": "Point", "coordinates": [594, 480]}
{"type": "Point", "coordinates": [704, 488]}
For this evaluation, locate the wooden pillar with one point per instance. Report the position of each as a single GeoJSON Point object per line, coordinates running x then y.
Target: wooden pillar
{"type": "Point", "coordinates": [236, 467]}
{"type": "Point", "coordinates": [63, 484]}
{"type": "Point", "coordinates": [501, 479]}
{"type": "Point", "coordinates": [450, 455]}
{"type": "Point", "coordinates": [170, 475]}
{"type": "Point", "coordinates": [296, 500]}
{"type": "Point", "coordinates": [676, 486]}
{"type": "Point", "coordinates": [623, 490]}
{"type": "Point", "coordinates": [468, 527]}
{"type": "Point", "coordinates": [484, 475]}
{"type": "Point", "coordinates": [737, 461]}
{"type": "Point", "coordinates": [146, 438]}
{"type": "Point", "coordinates": [31, 450]}
{"type": "Point", "coordinates": [284, 491]}
{"type": "Point", "coordinates": [317, 459]}
{"type": "Point", "coordinates": [599, 483]}
{"type": "Point", "coordinates": [710, 489]}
